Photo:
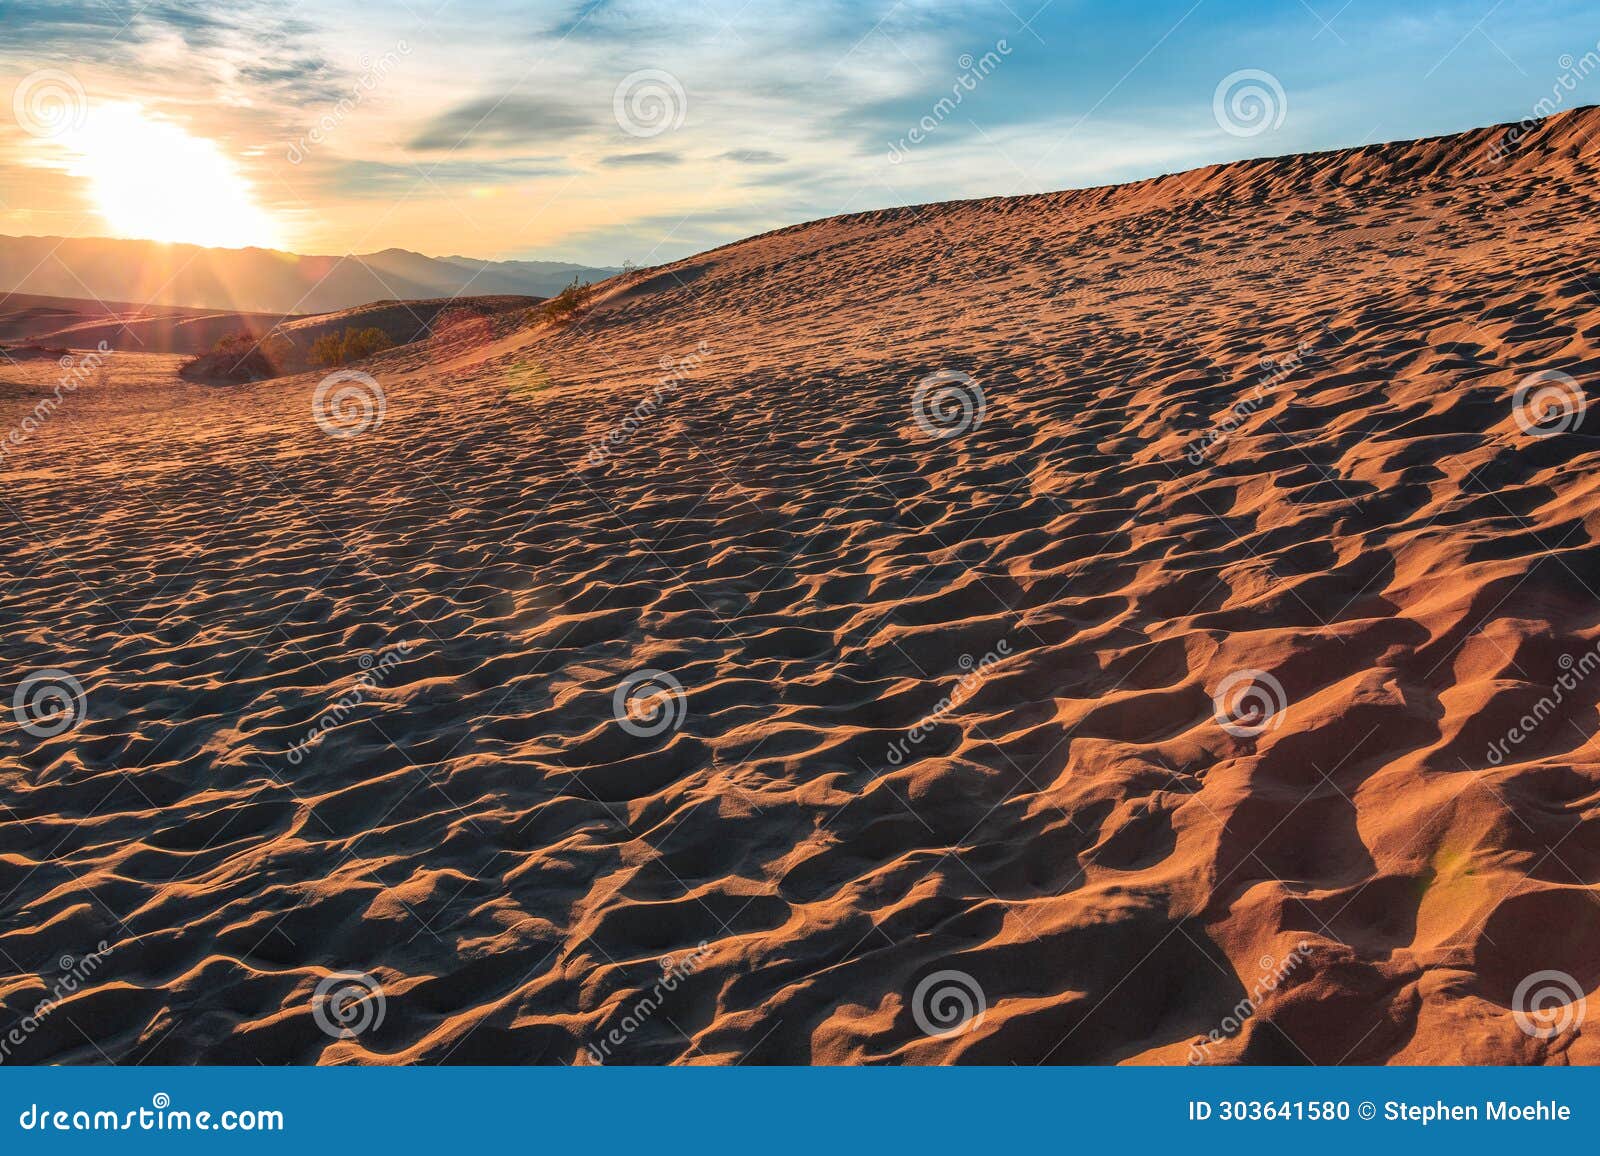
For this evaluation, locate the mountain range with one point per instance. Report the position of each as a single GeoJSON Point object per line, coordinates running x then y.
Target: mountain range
{"type": "Point", "coordinates": [265, 280]}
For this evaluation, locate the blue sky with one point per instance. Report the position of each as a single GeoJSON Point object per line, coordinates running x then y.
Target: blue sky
{"type": "Point", "coordinates": [614, 130]}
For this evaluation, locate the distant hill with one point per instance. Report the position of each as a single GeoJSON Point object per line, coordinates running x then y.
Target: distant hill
{"type": "Point", "coordinates": [73, 323]}
{"type": "Point", "coordinates": [287, 348]}
{"type": "Point", "coordinates": [261, 280]}
{"type": "Point", "coordinates": [68, 323]}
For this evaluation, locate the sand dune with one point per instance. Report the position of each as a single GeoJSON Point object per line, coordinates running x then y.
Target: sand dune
{"type": "Point", "coordinates": [64, 322]}
{"type": "Point", "coordinates": [1108, 610]}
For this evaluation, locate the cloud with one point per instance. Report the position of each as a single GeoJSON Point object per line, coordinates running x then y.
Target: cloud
{"type": "Point", "coordinates": [505, 122]}
{"type": "Point", "coordinates": [52, 23]}
{"type": "Point", "coordinates": [614, 21]}
{"type": "Point", "coordinates": [752, 157]}
{"type": "Point", "coordinates": [642, 160]}
{"type": "Point", "coordinates": [359, 178]}
{"type": "Point", "coordinates": [249, 55]}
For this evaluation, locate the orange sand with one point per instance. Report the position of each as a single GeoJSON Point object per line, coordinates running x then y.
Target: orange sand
{"type": "Point", "coordinates": [1075, 831]}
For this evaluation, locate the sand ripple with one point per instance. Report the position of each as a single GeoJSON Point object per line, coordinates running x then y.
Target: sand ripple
{"type": "Point", "coordinates": [940, 744]}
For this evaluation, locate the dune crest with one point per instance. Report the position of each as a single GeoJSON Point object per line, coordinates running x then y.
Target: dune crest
{"type": "Point", "coordinates": [1088, 628]}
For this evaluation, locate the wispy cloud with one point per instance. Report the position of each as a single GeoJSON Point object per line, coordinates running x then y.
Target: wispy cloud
{"type": "Point", "coordinates": [506, 122]}
{"type": "Point", "coordinates": [390, 179]}
{"type": "Point", "coordinates": [751, 157]}
{"type": "Point", "coordinates": [642, 160]}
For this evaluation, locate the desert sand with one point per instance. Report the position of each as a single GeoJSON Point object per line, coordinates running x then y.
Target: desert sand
{"type": "Point", "coordinates": [950, 675]}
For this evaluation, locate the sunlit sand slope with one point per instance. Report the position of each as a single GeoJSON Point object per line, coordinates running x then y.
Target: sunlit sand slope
{"type": "Point", "coordinates": [1143, 625]}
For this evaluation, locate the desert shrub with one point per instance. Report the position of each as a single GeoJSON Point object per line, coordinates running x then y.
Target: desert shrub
{"type": "Point", "coordinates": [243, 348]}
{"type": "Point", "coordinates": [237, 357]}
{"type": "Point", "coordinates": [241, 343]}
{"type": "Point", "coordinates": [328, 349]}
{"type": "Point", "coordinates": [365, 343]}
{"type": "Point", "coordinates": [352, 345]}
{"type": "Point", "coordinates": [279, 350]}
{"type": "Point", "coordinates": [564, 304]}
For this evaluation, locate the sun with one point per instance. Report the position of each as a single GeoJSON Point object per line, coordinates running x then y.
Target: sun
{"type": "Point", "coordinates": [150, 179]}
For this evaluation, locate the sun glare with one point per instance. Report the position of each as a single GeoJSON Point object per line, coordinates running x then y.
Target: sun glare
{"type": "Point", "coordinates": [151, 179]}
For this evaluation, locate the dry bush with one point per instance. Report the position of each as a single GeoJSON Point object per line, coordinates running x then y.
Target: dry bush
{"type": "Point", "coordinates": [333, 349]}
{"type": "Point", "coordinates": [564, 304]}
